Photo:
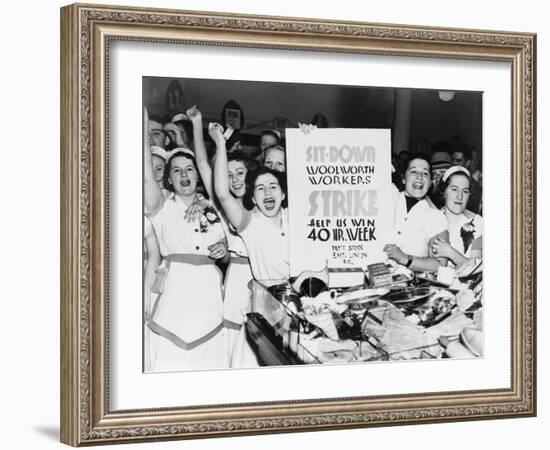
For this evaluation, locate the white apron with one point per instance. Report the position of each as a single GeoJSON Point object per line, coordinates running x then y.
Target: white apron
{"type": "Point", "coordinates": [188, 314]}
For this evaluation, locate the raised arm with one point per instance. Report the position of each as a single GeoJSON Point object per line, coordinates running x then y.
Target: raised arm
{"type": "Point", "coordinates": [201, 157]}
{"type": "Point", "coordinates": [152, 193]}
{"type": "Point", "coordinates": [232, 208]}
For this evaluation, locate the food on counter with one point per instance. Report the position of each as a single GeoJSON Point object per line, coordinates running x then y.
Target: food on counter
{"type": "Point", "coordinates": [375, 323]}
{"type": "Point", "coordinates": [324, 301]}
{"type": "Point", "coordinates": [439, 306]}
{"type": "Point", "coordinates": [325, 322]}
{"type": "Point", "coordinates": [331, 317]}
{"type": "Point", "coordinates": [336, 326]}
{"type": "Point", "coordinates": [451, 326]}
{"type": "Point", "coordinates": [465, 299]}
{"type": "Point", "coordinates": [394, 333]}
{"type": "Point", "coordinates": [348, 326]}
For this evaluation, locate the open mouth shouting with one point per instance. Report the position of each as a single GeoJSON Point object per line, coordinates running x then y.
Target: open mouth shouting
{"type": "Point", "coordinates": [269, 203]}
{"type": "Point", "coordinates": [185, 182]}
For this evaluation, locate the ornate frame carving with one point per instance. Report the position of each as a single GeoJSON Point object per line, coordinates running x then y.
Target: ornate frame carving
{"type": "Point", "coordinates": [86, 31]}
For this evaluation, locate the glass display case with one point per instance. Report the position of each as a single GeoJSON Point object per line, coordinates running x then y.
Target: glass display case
{"type": "Point", "coordinates": [273, 329]}
{"type": "Point", "coordinates": [281, 334]}
{"type": "Point", "coordinates": [357, 325]}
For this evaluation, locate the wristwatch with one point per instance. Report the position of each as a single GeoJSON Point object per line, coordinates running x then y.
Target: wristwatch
{"type": "Point", "coordinates": [409, 261]}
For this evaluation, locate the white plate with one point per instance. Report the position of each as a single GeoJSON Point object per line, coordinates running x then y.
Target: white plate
{"type": "Point", "coordinates": [361, 295]}
{"type": "Point", "coordinates": [469, 336]}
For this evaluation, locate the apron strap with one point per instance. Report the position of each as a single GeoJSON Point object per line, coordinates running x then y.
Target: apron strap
{"type": "Point", "coordinates": [189, 258]}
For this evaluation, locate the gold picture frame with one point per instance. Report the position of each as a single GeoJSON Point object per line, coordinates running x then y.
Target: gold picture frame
{"type": "Point", "coordinates": [86, 33]}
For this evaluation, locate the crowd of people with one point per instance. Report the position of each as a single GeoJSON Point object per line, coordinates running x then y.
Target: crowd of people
{"type": "Point", "coordinates": [215, 222]}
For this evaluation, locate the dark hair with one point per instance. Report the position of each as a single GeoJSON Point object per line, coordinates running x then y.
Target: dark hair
{"type": "Point", "coordinates": [320, 121]}
{"type": "Point", "coordinates": [250, 182]}
{"type": "Point", "coordinates": [166, 176]}
{"type": "Point", "coordinates": [156, 118]}
{"type": "Point", "coordinates": [440, 189]}
{"type": "Point", "coordinates": [416, 156]}
{"type": "Point", "coordinates": [239, 155]}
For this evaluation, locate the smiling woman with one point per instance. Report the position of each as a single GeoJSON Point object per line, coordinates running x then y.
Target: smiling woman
{"type": "Point", "coordinates": [354, 74]}
{"type": "Point", "coordinates": [181, 175]}
{"type": "Point", "coordinates": [261, 220]}
{"type": "Point", "coordinates": [416, 220]}
{"type": "Point", "coordinates": [187, 315]}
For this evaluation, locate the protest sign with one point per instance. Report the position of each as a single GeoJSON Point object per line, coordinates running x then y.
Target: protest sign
{"type": "Point", "coordinates": [340, 209]}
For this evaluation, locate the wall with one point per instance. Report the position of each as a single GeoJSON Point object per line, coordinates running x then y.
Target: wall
{"type": "Point", "coordinates": [346, 107]}
{"type": "Point", "coordinates": [30, 225]}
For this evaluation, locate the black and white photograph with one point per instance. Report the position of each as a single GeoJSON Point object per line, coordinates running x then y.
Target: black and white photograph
{"type": "Point", "coordinates": [318, 224]}
{"type": "Point", "coordinates": [292, 224]}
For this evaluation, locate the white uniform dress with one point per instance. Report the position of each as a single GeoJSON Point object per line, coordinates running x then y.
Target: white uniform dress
{"type": "Point", "coordinates": [414, 229]}
{"type": "Point", "coordinates": [188, 314]}
{"type": "Point", "coordinates": [237, 302]}
{"type": "Point", "coordinates": [267, 246]}
{"type": "Point", "coordinates": [473, 230]}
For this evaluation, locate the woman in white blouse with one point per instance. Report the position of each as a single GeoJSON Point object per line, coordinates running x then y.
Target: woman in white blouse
{"type": "Point", "coordinates": [465, 227]}
{"type": "Point", "coordinates": [416, 220]}
{"type": "Point", "coordinates": [188, 314]}
{"type": "Point", "coordinates": [261, 219]}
